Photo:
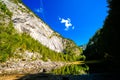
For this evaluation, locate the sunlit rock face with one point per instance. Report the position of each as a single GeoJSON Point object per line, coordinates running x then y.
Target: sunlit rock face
{"type": "Point", "coordinates": [25, 21]}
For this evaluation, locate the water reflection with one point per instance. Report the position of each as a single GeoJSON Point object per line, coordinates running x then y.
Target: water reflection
{"type": "Point", "coordinates": [72, 69]}
{"type": "Point", "coordinates": [71, 72]}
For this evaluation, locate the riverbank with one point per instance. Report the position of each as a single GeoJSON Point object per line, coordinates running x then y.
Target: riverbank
{"type": "Point", "coordinates": [11, 77]}
{"type": "Point", "coordinates": [31, 67]}
{"type": "Point", "coordinates": [43, 76]}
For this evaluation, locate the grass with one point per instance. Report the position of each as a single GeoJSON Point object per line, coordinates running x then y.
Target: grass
{"type": "Point", "coordinates": [10, 41]}
{"type": "Point", "coordinates": [4, 10]}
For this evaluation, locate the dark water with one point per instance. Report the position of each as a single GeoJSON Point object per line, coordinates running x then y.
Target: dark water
{"type": "Point", "coordinates": [105, 67]}
{"type": "Point", "coordinates": [89, 71]}
{"type": "Point", "coordinates": [89, 67]}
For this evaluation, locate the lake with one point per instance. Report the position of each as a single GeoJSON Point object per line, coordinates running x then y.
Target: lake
{"type": "Point", "coordinates": [89, 71]}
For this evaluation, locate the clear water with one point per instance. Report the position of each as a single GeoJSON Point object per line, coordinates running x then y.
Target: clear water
{"type": "Point", "coordinates": [72, 69]}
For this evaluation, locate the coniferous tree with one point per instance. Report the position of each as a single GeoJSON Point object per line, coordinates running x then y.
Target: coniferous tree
{"type": "Point", "coordinates": [105, 43]}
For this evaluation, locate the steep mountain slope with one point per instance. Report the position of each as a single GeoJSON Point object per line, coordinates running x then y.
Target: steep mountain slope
{"type": "Point", "coordinates": [28, 45]}
{"type": "Point", "coordinates": [105, 43]}
{"type": "Point", "coordinates": [29, 23]}
{"type": "Point", "coordinates": [25, 21]}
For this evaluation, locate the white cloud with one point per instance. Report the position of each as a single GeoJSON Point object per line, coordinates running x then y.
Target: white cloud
{"type": "Point", "coordinates": [67, 23]}
{"type": "Point", "coordinates": [39, 10]}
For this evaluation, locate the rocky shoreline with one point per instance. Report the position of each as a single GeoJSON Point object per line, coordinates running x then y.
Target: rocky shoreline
{"type": "Point", "coordinates": [28, 63]}
{"type": "Point", "coordinates": [46, 76]}
{"type": "Point", "coordinates": [25, 67]}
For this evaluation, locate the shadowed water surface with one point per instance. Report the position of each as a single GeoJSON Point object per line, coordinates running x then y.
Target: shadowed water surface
{"type": "Point", "coordinates": [45, 76]}
{"type": "Point", "coordinates": [72, 72]}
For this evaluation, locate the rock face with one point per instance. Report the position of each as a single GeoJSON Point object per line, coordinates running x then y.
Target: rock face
{"type": "Point", "coordinates": [28, 62]}
{"type": "Point", "coordinates": [25, 21]}
{"type": "Point", "coordinates": [24, 67]}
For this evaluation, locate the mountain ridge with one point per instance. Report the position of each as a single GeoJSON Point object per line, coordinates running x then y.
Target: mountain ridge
{"type": "Point", "coordinates": [26, 42]}
{"type": "Point", "coordinates": [25, 21]}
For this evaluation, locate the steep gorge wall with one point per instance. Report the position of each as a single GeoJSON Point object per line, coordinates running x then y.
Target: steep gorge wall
{"type": "Point", "coordinates": [25, 21]}
{"type": "Point", "coordinates": [105, 43]}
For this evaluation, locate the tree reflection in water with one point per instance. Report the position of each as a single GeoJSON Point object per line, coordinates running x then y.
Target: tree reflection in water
{"type": "Point", "coordinates": [72, 69]}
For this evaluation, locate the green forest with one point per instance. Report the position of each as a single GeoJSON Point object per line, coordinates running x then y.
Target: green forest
{"type": "Point", "coordinates": [104, 45]}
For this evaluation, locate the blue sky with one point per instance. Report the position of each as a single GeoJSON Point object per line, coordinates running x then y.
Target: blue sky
{"type": "Point", "coordinates": [77, 20]}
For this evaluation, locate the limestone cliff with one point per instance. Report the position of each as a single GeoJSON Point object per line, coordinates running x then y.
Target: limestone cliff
{"type": "Point", "coordinates": [28, 45]}
{"type": "Point", "coordinates": [25, 21]}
